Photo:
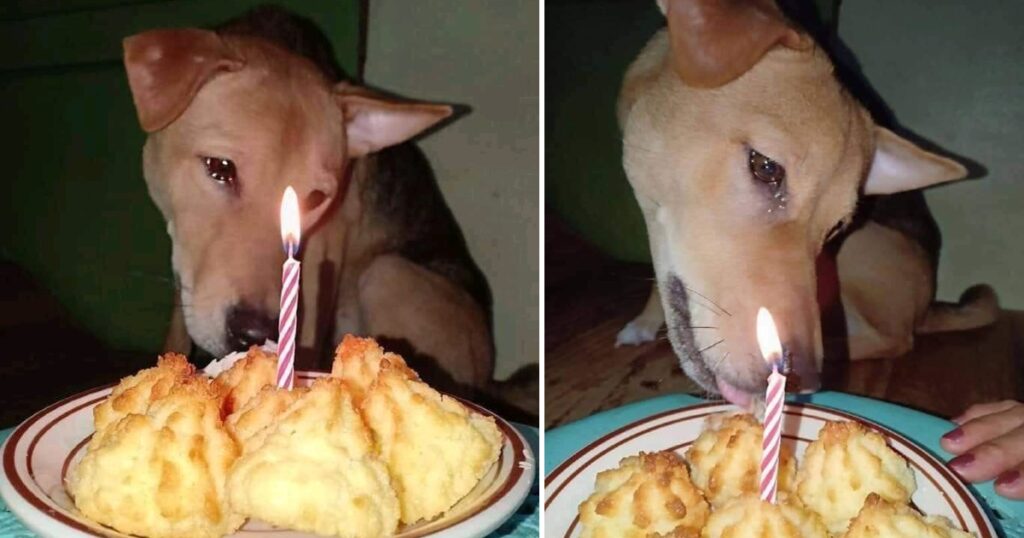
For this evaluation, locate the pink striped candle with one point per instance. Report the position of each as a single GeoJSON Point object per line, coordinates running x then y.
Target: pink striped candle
{"type": "Point", "coordinates": [771, 350]}
{"type": "Point", "coordinates": [291, 232]}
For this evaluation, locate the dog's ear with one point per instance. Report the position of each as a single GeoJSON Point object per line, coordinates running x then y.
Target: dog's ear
{"type": "Point", "coordinates": [374, 122]}
{"type": "Point", "coordinates": [715, 41]}
{"type": "Point", "coordinates": [899, 165]}
{"type": "Point", "coordinates": [167, 67]}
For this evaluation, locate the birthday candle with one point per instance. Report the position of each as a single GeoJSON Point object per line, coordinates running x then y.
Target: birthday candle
{"type": "Point", "coordinates": [287, 324]}
{"type": "Point", "coordinates": [771, 350]}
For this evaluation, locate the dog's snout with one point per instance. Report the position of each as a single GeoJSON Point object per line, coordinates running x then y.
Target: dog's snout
{"type": "Point", "coordinates": [801, 372]}
{"type": "Point", "coordinates": [247, 326]}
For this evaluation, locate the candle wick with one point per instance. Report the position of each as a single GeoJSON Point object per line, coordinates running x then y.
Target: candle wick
{"type": "Point", "coordinates": [291, 248]}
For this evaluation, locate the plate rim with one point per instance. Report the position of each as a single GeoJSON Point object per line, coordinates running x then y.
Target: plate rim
{"type": "Point", "coordinates": [975, 506]}
{"type": "Point", "coordinates": [27, 504]}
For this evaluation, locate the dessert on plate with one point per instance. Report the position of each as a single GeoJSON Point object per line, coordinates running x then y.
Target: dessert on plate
{"type": "Point", "coordinates": [725, 459]}
{"type": "Point", "coordinates": [158, 461]}
{"type": "Point", "coordinates": [646, 495]}
{"type": "Point", "coordinates": [355, 455]}
{"type": "Point", "coordinates": [843, 466]}
{"type": "Point", "coordinates": [849, 483]}
{"type": "Point", "coordinates": [750, 517]}
{"type": "Point", "coordinates": [882, 519]}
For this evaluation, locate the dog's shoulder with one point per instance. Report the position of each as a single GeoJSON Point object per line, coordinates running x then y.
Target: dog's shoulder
{"type": "Point", "coordinates": [402, 195]}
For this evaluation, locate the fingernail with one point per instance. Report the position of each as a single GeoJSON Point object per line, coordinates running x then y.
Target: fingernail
{"type": "Point", "coordinates": [961, 462]}
{"type": "Point", "coordinates": [1009, 478]}
{"type": "Point", "coordinates": [954, 436]}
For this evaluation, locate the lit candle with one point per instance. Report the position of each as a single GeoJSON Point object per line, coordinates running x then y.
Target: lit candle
{"type": "Point", "coordinates": [291, 232]}
{"type": "Point", "coordinates": [771, 350]}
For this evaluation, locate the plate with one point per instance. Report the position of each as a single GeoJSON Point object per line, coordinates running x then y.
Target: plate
{"type": "Point", "coordinates": [939, 491]}
{"type": "Point", "coordinates": [39, 452]}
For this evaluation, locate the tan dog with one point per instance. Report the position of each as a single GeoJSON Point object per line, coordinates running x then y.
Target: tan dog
{"type": "Point", "coordinates": [746, 154]}
{"type": "Point", "coordinates": [236, 115]}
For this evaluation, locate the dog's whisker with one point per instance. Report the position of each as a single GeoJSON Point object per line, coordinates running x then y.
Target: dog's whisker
{"type": "Point", "coordinates": [705, 297]}
{"type": "Point", "coordinates": [721, 360]}
{"type": "Point", "coordinates": [699, 351]}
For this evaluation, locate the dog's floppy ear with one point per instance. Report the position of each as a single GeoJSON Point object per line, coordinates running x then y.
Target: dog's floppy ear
{"type": "Point", "coordinates": [899, 165]}
{"type": "Point", "coordinates": [167, 67]}
{"type": "Point", "coordinates": [374, 122]}
{"type": "Point", "coordinates": [715, 41]}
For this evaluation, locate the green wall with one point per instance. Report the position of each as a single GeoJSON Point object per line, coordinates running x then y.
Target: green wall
{"type": "Point", "coordinates": [588, 46]}
{"type": "Point", "coordinates": [482, 54]}
{"type": "Point", "coordinates": [953, 72]}
{"type": "Point", "coordinates": [75, 212]}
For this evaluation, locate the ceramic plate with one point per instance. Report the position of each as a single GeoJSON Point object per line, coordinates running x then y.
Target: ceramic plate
{"type": "Point", "coordinates": [939, 491]}
{"type": "Point", "coordinates": [38, 454]}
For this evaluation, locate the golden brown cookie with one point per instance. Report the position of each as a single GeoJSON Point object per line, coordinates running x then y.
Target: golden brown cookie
{"type": "Point", "coordinates": [749, 517]}
{"type": "Point", "coordinates": [359, 360]}
{"type": "Point", "coordinates": [882, 519]}
{"type": "Point", "coordinates": [160, 470]}
{"type": "Point", "coordinates": [725, 460]}
{"type": "Point", "coordinates": [315, 470]}
{"type": "Point", "coordinates": [261, 411]}
{"type": "Point", "coordinates": [135, 393]}
{"type": "Point", "coordinates": [646, 495]}
{"type": "Point", "coordinates": [435, 448]}
{"type": "Point", "coordinates": [245, 379]}
{"type": "Point", "coordinates": [843, 466]}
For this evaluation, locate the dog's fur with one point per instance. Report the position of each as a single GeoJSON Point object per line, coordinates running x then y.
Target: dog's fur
{"type": "Point", "coordinates": [382, 254]}
{"type": "Point", "coordinates": [728, 77]}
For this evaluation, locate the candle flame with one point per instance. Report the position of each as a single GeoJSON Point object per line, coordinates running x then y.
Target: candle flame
{"type": "Point", "coordinates": [291, 229]}
{"type": "Point", "coordinates": [768, 336]}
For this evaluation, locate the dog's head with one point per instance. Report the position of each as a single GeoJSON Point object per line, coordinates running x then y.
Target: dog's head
{"type": "Point", "coordinates": [232, 120]}
{"type": "Point", "coordinates": [745, 153]}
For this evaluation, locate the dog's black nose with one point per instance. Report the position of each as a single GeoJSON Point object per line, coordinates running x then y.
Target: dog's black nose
{"type": "Point", "coordinates": [247, 327]}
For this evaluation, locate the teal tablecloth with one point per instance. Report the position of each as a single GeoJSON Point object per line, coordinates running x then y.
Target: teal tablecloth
{"type": "Point", "coordinates": [924, 429]}
{"type": "Point", "coordinates": [524, 524]}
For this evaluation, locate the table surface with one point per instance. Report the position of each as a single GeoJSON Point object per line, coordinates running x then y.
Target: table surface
{"type": "Point", "coordinates": [590, 297]}
{"type": "Point", "coordinates": [525, 523]}
{"type": "Point", "coordinates": [924, 429]}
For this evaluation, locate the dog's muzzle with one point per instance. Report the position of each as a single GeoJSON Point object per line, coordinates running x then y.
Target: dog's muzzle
{"type": "Point", "coordinates": [246, 327]}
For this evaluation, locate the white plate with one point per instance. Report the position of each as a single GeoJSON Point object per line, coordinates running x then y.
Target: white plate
{"type": "Point", "coordinates": [39, 452]}
{"type": "Point", "coordinates": [939, 491]}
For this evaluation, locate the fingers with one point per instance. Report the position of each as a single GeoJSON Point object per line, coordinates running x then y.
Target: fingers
{"type": "Point", "coordinates": [990, 459]}
{"type": "Point", "coordinates": [983, 428]}
{"type": "Point", "coordinates": [979, 410]}
{"type": "Point", "coordinates": [1010, 484]}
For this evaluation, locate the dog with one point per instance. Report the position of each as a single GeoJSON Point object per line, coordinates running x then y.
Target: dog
{"type": "Point", "coordinates": [747, 156]}
{"type": "Point", "coordinates": [235, 115]}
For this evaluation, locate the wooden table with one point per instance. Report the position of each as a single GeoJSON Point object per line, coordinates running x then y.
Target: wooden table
{"type": "Point", "coordinates": [589, 297]}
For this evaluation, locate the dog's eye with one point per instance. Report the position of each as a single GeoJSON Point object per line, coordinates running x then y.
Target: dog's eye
{"type": "Point", "coordinates": [220, 170]}
{"type": "Point", "coordinates": [766, 170]}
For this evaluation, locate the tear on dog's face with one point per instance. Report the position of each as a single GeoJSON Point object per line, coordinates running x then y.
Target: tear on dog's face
{"type": "Point", "coordinates": [232, 121]}
{"type": "Point", "coordinates": [745, 154]}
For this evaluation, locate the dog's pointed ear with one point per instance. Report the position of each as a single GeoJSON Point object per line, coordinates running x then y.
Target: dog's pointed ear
{"type": "Point", "coordinates": [716, 41]}
{"type": "Point", "coordinates": [899, 165]}
{"type": "Point", "coordinates": [374, 122]}
{"type": "Point", "coordinates": [167, 67]}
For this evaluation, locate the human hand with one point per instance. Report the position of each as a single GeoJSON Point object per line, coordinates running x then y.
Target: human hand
{"type": "Point", "coordinates": [989, 443]}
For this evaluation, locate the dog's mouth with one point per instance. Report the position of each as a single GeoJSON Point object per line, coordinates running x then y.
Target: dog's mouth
{"type": "Point", "coordinates": [734, 395]}
{"type": "Point", "coordinates": [694, 360]}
